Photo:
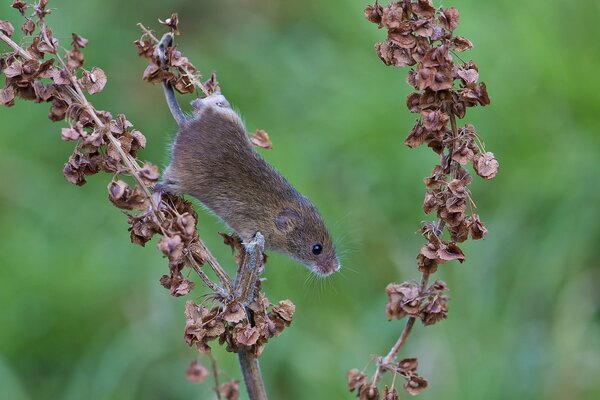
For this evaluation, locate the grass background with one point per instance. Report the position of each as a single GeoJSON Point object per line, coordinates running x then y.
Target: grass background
{"type": "Point", "coordinates": [82, 314]}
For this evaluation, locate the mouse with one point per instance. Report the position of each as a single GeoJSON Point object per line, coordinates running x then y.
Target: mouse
{"type": "Point", "coordinates": [213, 160]}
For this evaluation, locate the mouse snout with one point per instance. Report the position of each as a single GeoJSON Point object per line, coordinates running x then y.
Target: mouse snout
{"type": "Point", "coordinates": [328, 267]}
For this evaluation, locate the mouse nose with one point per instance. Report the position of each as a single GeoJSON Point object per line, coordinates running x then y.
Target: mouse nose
{"type": "Point", "coordinates": [334, 265]}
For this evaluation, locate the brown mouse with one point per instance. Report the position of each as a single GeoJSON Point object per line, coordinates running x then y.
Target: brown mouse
{"type": "Point", "coordinates": [213, 160]}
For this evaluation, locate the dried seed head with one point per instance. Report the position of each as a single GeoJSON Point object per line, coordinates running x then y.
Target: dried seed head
{"type": "Point", "coordinates": [197, 372]}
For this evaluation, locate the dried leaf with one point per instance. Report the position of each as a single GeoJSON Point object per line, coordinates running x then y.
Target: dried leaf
{"type": "Point", "coordinates": [245, 334]}
{"type": "Point", "coordinates": [451, 252]}
{"type": "Point", "coordinates": [6, 28]}
{"type": "Point", "coordinates": [230, 390]}
{"type": "Point", "coordinates": [20, 5]}
{"type": "Point", "coordinates": [368, 392]}
{"type": "Point", "coordinates": [28, 27]}
{"type": "Point", "coordinates": [260, 138]}
{"type": "Point", "coordinates": [94, 80]}
{"type": "Point", "coordinates": [172, 22]}
{"type": "Point", "coordinates": [7, 96]}
{"type": "Point", "coordinates": [78, 41]}
{"type": "Point", "coordinates": [415, 385]}
{"type": "Point", "coordinates": [196, 372]}
{"type": "Point", "coordinates": [486, 165]}
{"type": "Point", "coordinates": [356, 379]}
{"type": "Point", "coordinates": [374, 13]}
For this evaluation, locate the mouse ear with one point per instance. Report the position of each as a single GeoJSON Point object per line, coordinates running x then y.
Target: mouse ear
{"type": "Point", "coordinates": [287, 220]}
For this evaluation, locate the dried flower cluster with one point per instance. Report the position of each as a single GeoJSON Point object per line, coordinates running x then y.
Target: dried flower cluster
{"type": "Point", "coordinates": [39, 72]}
{"type": "Point", "coordinates": [231, 326]}
{"type": "Point", "coordinates": [422, 37]}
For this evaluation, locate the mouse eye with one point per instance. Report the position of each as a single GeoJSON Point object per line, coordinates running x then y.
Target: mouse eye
{"type": "Point", "coordinates": [317, 249]}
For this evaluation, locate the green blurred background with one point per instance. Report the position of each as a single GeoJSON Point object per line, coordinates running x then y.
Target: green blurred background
{"type": "Point", "coordinates": [82, 314]}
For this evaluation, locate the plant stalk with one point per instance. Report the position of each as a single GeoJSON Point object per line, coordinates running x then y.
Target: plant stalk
{"type": "Point", "coordinates": [252, 376]}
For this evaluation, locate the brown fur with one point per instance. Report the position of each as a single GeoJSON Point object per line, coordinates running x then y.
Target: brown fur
{"type": "Point", "coordinates": [214, 161]}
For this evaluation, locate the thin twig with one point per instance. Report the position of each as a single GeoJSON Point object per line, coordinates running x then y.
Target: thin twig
{"type": "Point", "coordinates": [22, 52]}
{"type": "Point", "coordinates": [195, 80]}
{"type": "Point", "coordinates": [215, 369]}
{"type": "Point", "coordinates": [384, 363]}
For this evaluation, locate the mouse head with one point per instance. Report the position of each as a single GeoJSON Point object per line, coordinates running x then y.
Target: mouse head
{"type": "Point", "coordinates": [216, 101]}
{"type": "Point", "coordinates": [307, 239]}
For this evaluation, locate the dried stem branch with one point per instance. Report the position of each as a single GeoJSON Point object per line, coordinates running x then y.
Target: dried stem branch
{"type": "Point", "coordinates": [423, 37]}
{"type": "Point", "coordinates": [252, 376]}
{"type": "Point", "coordinates": [22, 52]}
{"type": "Point", "coordinates": [215, 371]}
{"type": "Point", "coordinates": [133, 170]}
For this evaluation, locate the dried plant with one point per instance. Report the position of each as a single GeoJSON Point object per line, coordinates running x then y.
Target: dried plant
{"type": "Point", "coordinates": [421, 36]}
{"type": "Point", "coordinates": [241, 317]}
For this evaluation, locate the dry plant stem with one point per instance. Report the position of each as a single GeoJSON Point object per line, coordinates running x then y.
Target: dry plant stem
{"type": "Point", "coordinates": [15, 46]}
{"type": "Point", "coordinates": [215, 370]}
{"type": "Point", "coordinates": [252, 376]}
{"type": "Point", "coordinates": [393, 353]}
{"type": "Point", "coordinates": [244, 286]}
{"type": "Point", "coordinates": [133, 170]}
{"type": "Point", "coordinates": [188, 73]}
{"type": "Point", "coordinates": [167, 41]}
{"type": "Point", "coordinates": [245, 290]}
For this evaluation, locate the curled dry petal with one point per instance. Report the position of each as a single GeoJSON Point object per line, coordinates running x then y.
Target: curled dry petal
{"type": "Point", "coordinates": [408, 365]}
{"type": "Point", "coordinates": [285, 310]}
{"type": "Point", "coordinates": [392, 54]}
{"type": "Point", "coordinates": [468, 75]}
{"type": "Point", "coordinates": [368, 392]}
{"type": "Point", "coordinates": [390, 394]}
{"type": "Point", "coordinates": [439, 286]}
{"type": "Point", "coordinates": [392, 16]}
{"type": "Point", "coordinates": [6, 28]}
{"type": "Point", "coordinates": [245, 334]}
{"type": "Point", "coordinates": [149, 173]}
{"type": "Point", "coordinates": [20, 5]}
{"type": "Point", "coordinates": [424, 9]}
{"type": "Point", "coordinates": [403, 299]}
{"type": "Point", "coordinates": [181, 287]}
{"type": "Point", "coordinates": [486, 165]}
{"type": "Point", "coordinates": [435, 120]}
{"type": "Point", "coordinates": [94, 80]}
{"type": "Point", "coordinates": [459, 233]}
{"type": "Point", "coordinates": [374, 13]}
{"type": "Point", "coordinates": [142, 228]}
{"type": "Point", "coordinates": [212, 85]}
{"type": "Point", "coordinates": [449, 18]}
{"type": "Point", "coordinates": [230, 390]}
{"type": "Point", "coordinates": [473, 94]}
{"type": "Point", "coordinates": [460, 43]}
{"type": "Point", "coordinates": [7, 96]}
{"type": "Point", "coordinates": [403, 40]}
{"type": "Point", "coordinates": [196, 372]}
{"type": "Point", "coordinates": [356, 379]}
{"type": "Point", "coordinates": [476, 228]}
{"type": "Point", "coordinates": [121, 195]}
{"type": "Point", "coordinates": [415, 385]}
{"type": "Point", "coordinates": [234, 313]}
{"type": "Point", "coordinates": [172, 22]}
{"type": "Point", "coordinates": [171, 246]}
{"type": "Point", "coordinates": [260, 138]}
{"type": "Point", "coordinates": [74, 132]}
{"type": "Point", "coordinates": [78, 41]}
{"type": "Point", "coordinates": [435, 310]}
{"type": "Point", "coordinates": [451, 251]}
